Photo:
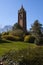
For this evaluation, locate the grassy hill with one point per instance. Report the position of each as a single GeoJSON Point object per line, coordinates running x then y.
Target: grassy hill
{"type": "Point", "coordinates": [31, 52]}
{"type": "Point", "coordinates": [4, 47]}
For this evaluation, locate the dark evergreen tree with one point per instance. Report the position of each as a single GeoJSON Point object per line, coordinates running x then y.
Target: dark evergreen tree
{"type": "Point", "coordinates": [36, 31]}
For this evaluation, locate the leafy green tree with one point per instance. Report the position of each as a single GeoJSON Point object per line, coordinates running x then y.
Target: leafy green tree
{"type": "Point", "coordinates": [16, 26]}
{"type": "Point", "coordinates": [36, 31]}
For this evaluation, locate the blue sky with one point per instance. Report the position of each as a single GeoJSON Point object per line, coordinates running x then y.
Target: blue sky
{"type": "Point", "coordinates": [9, 11]}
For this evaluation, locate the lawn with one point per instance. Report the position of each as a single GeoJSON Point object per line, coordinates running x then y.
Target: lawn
{"type": "Point", "coordinates": [31, 52]}
{"type": "Point", "coordinates": [4, 47]}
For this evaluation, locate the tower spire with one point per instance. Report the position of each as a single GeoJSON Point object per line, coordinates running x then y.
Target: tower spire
{"type": "Point", "coordinates": [22, 6]}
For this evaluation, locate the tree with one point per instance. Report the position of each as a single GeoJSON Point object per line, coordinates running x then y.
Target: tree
{"type": "Point", "coordinates": [36, 31]}
{"type": "Point", "coordinates": [16, 26]}
{"type": "Point", "coordinates": [0, 36]}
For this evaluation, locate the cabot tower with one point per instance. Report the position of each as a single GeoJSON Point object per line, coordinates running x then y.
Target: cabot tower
{"type": "Point", "coordinates": [22, 18]}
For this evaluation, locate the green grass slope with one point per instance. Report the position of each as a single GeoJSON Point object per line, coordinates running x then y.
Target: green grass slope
{"type": "Point", "coordinates": [31, 52]}
{"type": "Point", "coordinates": [4, 47]}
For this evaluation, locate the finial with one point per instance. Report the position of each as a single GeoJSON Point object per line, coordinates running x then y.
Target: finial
{"type": "Point", "coordinates": [22, 6]}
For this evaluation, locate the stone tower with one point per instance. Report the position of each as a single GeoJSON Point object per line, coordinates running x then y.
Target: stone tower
{"type": "Point", "coordinates": [22, 18]}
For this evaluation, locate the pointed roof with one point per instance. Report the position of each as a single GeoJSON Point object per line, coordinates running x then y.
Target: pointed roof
{"type": "Point", "coordinates": [22, 9]}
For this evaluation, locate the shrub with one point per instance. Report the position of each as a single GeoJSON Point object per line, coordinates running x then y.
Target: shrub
{"type": "Point", "coordinates": [39, 41]}
{"type": "Point", "coordinates": [5, 33]}
{"type": "Point", "coordinates": [29, 39]}
{"type": "Point", "coordinates": [17, 38]}
{"type": "Point", "coordinates": [12, 38]}
{"type": "Point", "coordinates": [8, 37]}
{"type": "Point", "coordinates": [17, 32]}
